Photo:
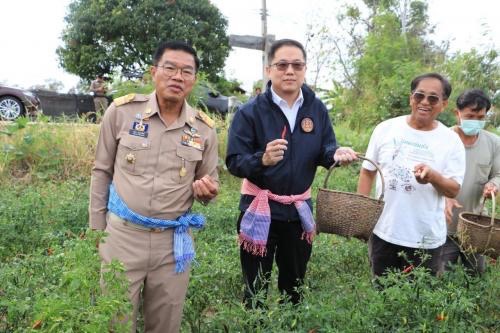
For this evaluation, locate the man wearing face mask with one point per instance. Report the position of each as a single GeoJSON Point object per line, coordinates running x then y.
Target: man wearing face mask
{"type": "Point", "coordinates": [482, 175]}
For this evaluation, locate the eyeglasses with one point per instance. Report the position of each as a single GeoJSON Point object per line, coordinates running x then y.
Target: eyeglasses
{"type": "Point", "coordinates": [283, 65]}
{"type": "Point", "coordinates": [432, 99]}
{"type": "Point", "coordinates": [169, 70]}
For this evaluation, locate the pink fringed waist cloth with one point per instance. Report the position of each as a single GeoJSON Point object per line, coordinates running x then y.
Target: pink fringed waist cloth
{"type": "Point", "coordinates": [255, 223]}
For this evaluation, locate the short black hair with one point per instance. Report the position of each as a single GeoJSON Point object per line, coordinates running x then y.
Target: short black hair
{"type": "Point", "coordinates": [474, 98]}
{"type": "Point", "coordinates": [284, 42]}
{"type": "Point", "coordinates": [444, 82]}
{"type": "Point", "coordinates": [175, 45]}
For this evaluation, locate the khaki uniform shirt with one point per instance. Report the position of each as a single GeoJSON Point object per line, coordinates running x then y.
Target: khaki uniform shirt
{"type": "Point", "coordinates": [96, 86]}
{"type": "Point", "coordinates": [151, 165]}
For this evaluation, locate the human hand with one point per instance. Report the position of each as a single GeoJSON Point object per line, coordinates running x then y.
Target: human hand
{"type": "Point", "coordinates": [345, 155]}
{"type": "Point", "coordinates": [448, 210]}
{"type": "Point", "coordinates": [275, 152]}
{"type": "Point", "coordinates": [205, 189]}
{"type": "Point", "coordinates": [423, 173]}
{"type": "Point", "coordinates": [488, 189]}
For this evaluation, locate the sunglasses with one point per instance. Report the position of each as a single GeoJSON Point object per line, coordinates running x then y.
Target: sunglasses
{"type": "Point", "coordinates": [432, 99]}
{"type": "Point", "coordinates": [283, 65]}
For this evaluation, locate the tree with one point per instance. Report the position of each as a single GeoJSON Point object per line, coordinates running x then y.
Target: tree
{"type": "Point", "coordinates": [474, 69]}
{"type": "Point", "coordinates": [388, 48]}
{"type": "Point", "coordinates": [106, 36]}
{"type": "Point", "coordinates": [320, 46]}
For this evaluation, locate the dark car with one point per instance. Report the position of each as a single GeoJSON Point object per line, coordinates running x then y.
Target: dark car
{"type": "Point", "coordinates": [16, 102]}
{"type": "Point", "coordinates": [68, 105]}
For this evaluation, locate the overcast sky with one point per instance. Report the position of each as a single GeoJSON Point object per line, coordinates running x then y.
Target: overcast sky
{"type": "Point", "coordinates": [31, 29]}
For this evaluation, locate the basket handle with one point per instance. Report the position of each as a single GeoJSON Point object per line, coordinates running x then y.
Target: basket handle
{"type": "Point", "coordinates": [493, 210]}
{"type": "Point", "coordinates": [361, 157]}
{"type": "Point", "coordinates": [493, 202]}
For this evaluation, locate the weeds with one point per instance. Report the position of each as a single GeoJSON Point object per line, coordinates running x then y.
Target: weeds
{"type": "Point", "coordinates": [49, 266]}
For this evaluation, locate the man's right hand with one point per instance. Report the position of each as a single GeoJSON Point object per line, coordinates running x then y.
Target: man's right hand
{"type": "Point", "coordinates": [448, 210]}
{"type": "Point", "coordinates": [488, 189]}
{"type": "Point", "coordinates": [275, 151]}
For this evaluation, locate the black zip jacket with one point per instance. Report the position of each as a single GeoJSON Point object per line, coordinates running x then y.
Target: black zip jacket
{"type": "Point", "coordinates": [260, 121]}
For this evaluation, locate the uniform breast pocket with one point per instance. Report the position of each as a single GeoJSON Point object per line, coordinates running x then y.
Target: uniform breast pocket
{"type": "Point", "coordinates": [482, 173]}
{"type": "Point", "coordinates": [185, 161]}
{"type": "Point", "coordinates": [132, 155]}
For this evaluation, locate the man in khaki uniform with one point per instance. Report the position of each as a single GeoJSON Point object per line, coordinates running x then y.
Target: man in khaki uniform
{"type": "Point", "coordinates": [98, 87]}
{"type": "Point", "coordinates": [154, 156]}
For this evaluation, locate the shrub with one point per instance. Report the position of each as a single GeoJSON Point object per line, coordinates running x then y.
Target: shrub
{"type": "Point", "coordinates": [49, 266]}
{"type": "Point", "coordinates": [59, 291]}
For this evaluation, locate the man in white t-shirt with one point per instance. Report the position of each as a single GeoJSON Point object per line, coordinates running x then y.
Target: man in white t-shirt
{"type": "Point", "coordinates": [422, 162]}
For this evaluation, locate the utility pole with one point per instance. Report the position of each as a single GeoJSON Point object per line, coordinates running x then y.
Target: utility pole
{"type": "Point", "coordinates": [261, 43]}
{"type": "Point", "coordinates": [266, 43]}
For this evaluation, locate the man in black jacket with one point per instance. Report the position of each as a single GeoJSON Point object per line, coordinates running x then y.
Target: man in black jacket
{"type": "Point", "coordinates": [276, 141]}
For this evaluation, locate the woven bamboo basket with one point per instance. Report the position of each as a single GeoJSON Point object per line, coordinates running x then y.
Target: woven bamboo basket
{"type": "Point", "coordinates": [348, 214]}
{"type": "Point", "coordinates": [479, 233]}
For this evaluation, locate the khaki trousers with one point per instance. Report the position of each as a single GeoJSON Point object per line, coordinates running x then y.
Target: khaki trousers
{"type": "Point", "coordinates": [150, 267]}
{"type": "Point", "coordinates": [100, 104]}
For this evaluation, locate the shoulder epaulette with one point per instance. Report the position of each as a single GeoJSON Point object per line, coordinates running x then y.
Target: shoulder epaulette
{"type": "Point", "coordinates": [124, 99]}
{"type": "Point", "coordinates": [130, 98]}
{"type": "Point", "coordinates": [206, 119]}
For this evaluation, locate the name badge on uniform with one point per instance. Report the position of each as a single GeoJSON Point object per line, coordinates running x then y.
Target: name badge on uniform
{"type": "Point", "coordinates": [139, 129]}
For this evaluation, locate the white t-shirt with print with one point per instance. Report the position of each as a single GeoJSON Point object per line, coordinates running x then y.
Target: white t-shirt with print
{"type": "Point", "coordinates": [413, 214]}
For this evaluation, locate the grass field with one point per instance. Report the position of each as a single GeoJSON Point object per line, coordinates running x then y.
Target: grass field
{"type": "Point", "coordinates": [49, 266]}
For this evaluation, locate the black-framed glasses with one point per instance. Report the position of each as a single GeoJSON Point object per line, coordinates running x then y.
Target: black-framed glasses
{"type": "Point", "coordinates": [432, 99]}
{"type": "Point", "coordinates": [169, 70]}
{"type": "Point", "coordinates": [283, 65]}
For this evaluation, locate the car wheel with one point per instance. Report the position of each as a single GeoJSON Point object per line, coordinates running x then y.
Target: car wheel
{"type": "Point", "coordinates": [10, 108]}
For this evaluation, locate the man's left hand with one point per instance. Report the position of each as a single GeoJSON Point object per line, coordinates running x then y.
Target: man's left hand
{"type": "Point", "coordinates": [488, 189]}
{"type": "Point", "coordinates": [423, 173]}
{"type": "Point", "coordinates": [205, 189]}
{"type": "Point", "coordinates": [345, 155]}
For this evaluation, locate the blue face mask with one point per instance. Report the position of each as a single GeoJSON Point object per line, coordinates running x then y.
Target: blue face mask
{"type": "Point", "coordinates": [472, 127]}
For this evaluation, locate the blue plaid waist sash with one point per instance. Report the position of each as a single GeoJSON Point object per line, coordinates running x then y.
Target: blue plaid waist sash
{"type": "Point", "coordinates": [184, 252]}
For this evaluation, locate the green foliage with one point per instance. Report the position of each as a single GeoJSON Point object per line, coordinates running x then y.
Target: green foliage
{"type": "Point", "coordinates": [383, 73]}
{"type": "Point", "coordinates": [59, 291]}
{"type": "Point", "coordinates": [474, 70]}
{"type": "Point", "coordinates": [389, 48]}
{"type": "Point", "coordinates": [122, 87]}
{"type": "Point", "coordinates": [46, 151]}
{"type": "Point", "coordinates": [50, 282]}
{"type": "Point", "coordinates": [34, 217]}
{"type": "Point", "coordinates": [199, 92]}
{"type": "Point", "coordinates": [426, 303]}
{"type": "Point", "coordinates": [227, 87]}
{"type": "Point", "coordinates": [103, 36]}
